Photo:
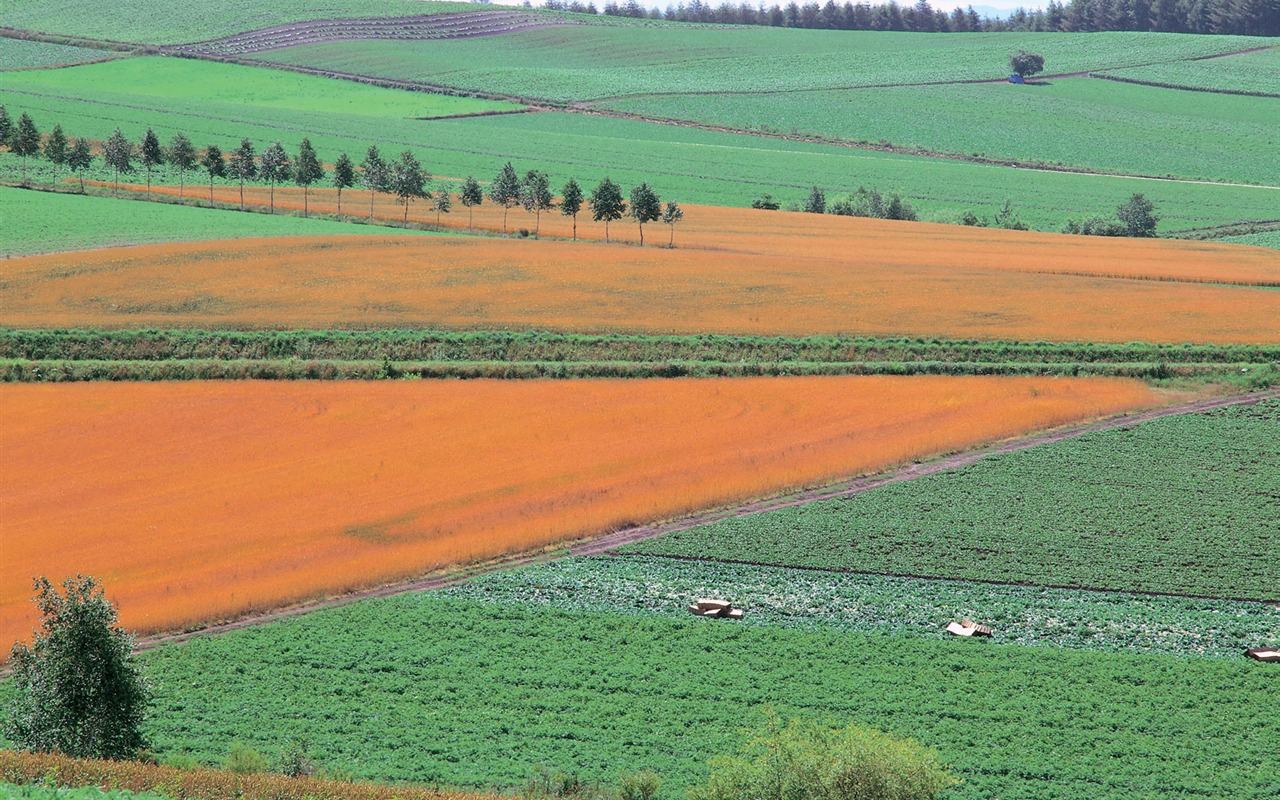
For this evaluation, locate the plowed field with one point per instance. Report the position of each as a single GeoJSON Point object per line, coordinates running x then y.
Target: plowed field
{"type": "Point", "coordinates": [891, 279]}
{"type": "Point", "coordinates": [194, 502]}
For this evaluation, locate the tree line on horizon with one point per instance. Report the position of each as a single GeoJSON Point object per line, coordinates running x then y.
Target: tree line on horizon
{"type": "Point", "coordinates": [403, 177]}
{"type": "Point", "coordinates": [1240, 17]}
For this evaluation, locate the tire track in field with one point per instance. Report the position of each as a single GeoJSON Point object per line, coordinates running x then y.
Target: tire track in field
{"type": "Point", "coordinates": [608, 543]}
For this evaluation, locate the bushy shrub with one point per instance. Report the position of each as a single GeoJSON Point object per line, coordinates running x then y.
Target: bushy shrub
{"type": "Point", "coordinates": [819, 762]}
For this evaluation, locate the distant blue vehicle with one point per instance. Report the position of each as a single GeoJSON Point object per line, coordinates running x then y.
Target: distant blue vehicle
{"type": "Point", "coordinates": [1016, 78]}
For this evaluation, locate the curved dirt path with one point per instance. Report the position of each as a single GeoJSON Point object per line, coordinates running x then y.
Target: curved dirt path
{"type": "Point", "coordinates": [609, 542]}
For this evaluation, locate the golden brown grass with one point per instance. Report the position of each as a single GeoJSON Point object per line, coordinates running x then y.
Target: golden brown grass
{"type": "Point", "coordinates": [199, 501]}
{"type": "Point", "coordinates": [892, 279]}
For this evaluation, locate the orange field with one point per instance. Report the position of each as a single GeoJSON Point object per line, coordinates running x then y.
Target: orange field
{"type": "Point", "coordinates": [818, 240]}
{"type": "Point", "coordinates": [884, 288]}
{"type": "Point", "coordinates": [198, 501]}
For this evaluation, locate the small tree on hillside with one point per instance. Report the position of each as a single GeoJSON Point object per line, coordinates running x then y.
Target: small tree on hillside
{"type": "Point", "coordinates": [242, 165]}
{"type": "Point", "coordinates": [25, 141]}
{"type": "Point", "coordinates": [505, 191]}
{"type": "Point", "coordinates": [441, 203]}
{"type": "Point", "coordinates": [470, 196]}
{"type": "Point", "coordinates": [150, 154]}
{"type": "Point", "coordinates": [274, 166]}
{"type": "Point", "coordinates": [308, 171]}
{"type": "Point", "coordinates": [607, 204]}
{"type": "Point", "coordinates": [1026, 64]}
{"type": "Point", "coordinates": [1138, 216]}
{"type": "Point", "coordinates": [671, 214]}
{"type": "Point", "coordinates": [79, 159]}
{"type": "Point", "coordinates": [6, 127]}
{"type": "Point", "coordinates": [182, 157]}
{"type": "Point", "coordinates": [408, 181]}
{"type": "Point", "coordinates": [375, 175]}
{"type": "Point", "coordinates": [816, 202]}
{"type": "Point", "coordinates": [645, 207]}
{"type": "Point", "coordinates": [77, 689]}
{"type": "Point", "coordinates": [571, 203]}
{"type": "Point", "coordinates": [117, 153]}
{"type": "Point", "coordinates": [536, 197]}
{"type": "Point", "coordinates": [344, 177]}
{"type": "Point", "coordinates": [216, 167]}
{"type": "Point", "coordinates": [55, 147]}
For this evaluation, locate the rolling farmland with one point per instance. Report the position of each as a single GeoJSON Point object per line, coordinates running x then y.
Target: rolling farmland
{"type": "Point", "coordinates": [580, 64]}
{"type": "Point", "coordinates": [888, 289]}
{"type": "Point", "coordinates": [1182, 505]}
{"type": "Point", "coordinates": [387, 480]}
{"type": "Point", "coordinates": [1078, 122]}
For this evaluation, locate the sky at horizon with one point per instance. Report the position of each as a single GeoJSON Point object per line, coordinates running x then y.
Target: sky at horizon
{"type": "Point", "coordinates": [1002, 7]}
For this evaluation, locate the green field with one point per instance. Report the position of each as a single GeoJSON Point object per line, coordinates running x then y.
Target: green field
{"type": "Point", "coordinates": [579, 64]}
{"type": "Point", "coordinates": [192, 20]}
{"type": "Point", "coordinates": [1265, 239]}
{"type": "Point", "coordinates": [56, 222]}
{"type": "Point", "coordinates": [202, 88]}
{"type": "Point", "coordinates": [690, 166]}
{"type": "Point", "coordinates": [1183, 505]}
{"type": "Point", "coordinates": [876, 604]}
{"type": "Point", "coordinates": [21, 54]}
{"type": "Point", "coordinates": [1081, 122]}
{"type": "Point", "coordinates": [440, 688]}
{"type": "Point", "coordinates": [1247, 72]}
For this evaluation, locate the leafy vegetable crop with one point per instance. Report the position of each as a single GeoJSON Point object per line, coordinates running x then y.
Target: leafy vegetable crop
{"type": "Point", "coordinates": [1247, 72]}
{"type": "Point", "coordinates": [875, 604]}
{"type": "Point", "coordinates": [20, 53]}
{"type": "Point", "coordinates": [440, 688]}
{"type": "Point", "coordinates": [1184, 505]}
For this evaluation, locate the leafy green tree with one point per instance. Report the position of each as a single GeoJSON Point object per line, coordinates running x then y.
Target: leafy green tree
{"type": "Point", "coordinates": [375, 176]}
{"type": "Point", "coordinates": [55, 147]}
{"type": "Point", "coordinates": [470, 196]}
{"type": "Point", "coordinates": [77, 689]}
{"type": "Point", "coordinates": [274, 166]}
{"type": "Point", "coordinates": [242, 165]}
{"type": "Point", "coordinates": [816, 202]}
{"type": "Point", "coordinates": [6, 127]}
{"type": "Point", "coordinates": [505, 191]}
{"type": "Point", "coordinates": [408, 181]}
{"type": "Point", "coordinates": [344, 177]}
{"type": "Point", "coordinates": [25, 141]}
{"type": "Point", "coordinates": [308, 171]}
{"type": "Point", "coordinates": [216, 167]}
{"type": "Point", "coordinates": [182, 156]}
{"type": "Point", "coordinates": [805, 761]}
{"type": "Point", "coordinates": [645, 207]}
{"type": "Point", "coordinates": [1138, 216]}
{"type": "Point", "coordinates": [80, 158]}
{"type": "Point", "coordinates": [671, 214]}
{"type": "Point", "coordinates": [1026, 64]}
{"type": "Point", "coordinates": [117, 153]}
{"type": "Point", "coordinates": [607, 204]}
{"type": "Point", "coordinates": [150, 154]}
{"type": "Point", "coordinates": [571, 203]}
{"type": "Point", "coordinates": [441, 203]}
{"type": "Point", "coordinates": [536, 197]}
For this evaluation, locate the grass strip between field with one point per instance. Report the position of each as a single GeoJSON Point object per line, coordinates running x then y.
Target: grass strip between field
{"type": "Point", "coordinates": [1180, 505]}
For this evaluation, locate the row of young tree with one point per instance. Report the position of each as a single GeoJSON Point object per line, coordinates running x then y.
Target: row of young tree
{"type": "Point", "coordinates": [1247, 17]}
{"type": "Point", "coordinates": [402, 177]}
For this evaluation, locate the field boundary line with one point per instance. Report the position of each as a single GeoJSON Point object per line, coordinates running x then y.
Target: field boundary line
{"type": "Point", "coordinates": [603, 545]}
